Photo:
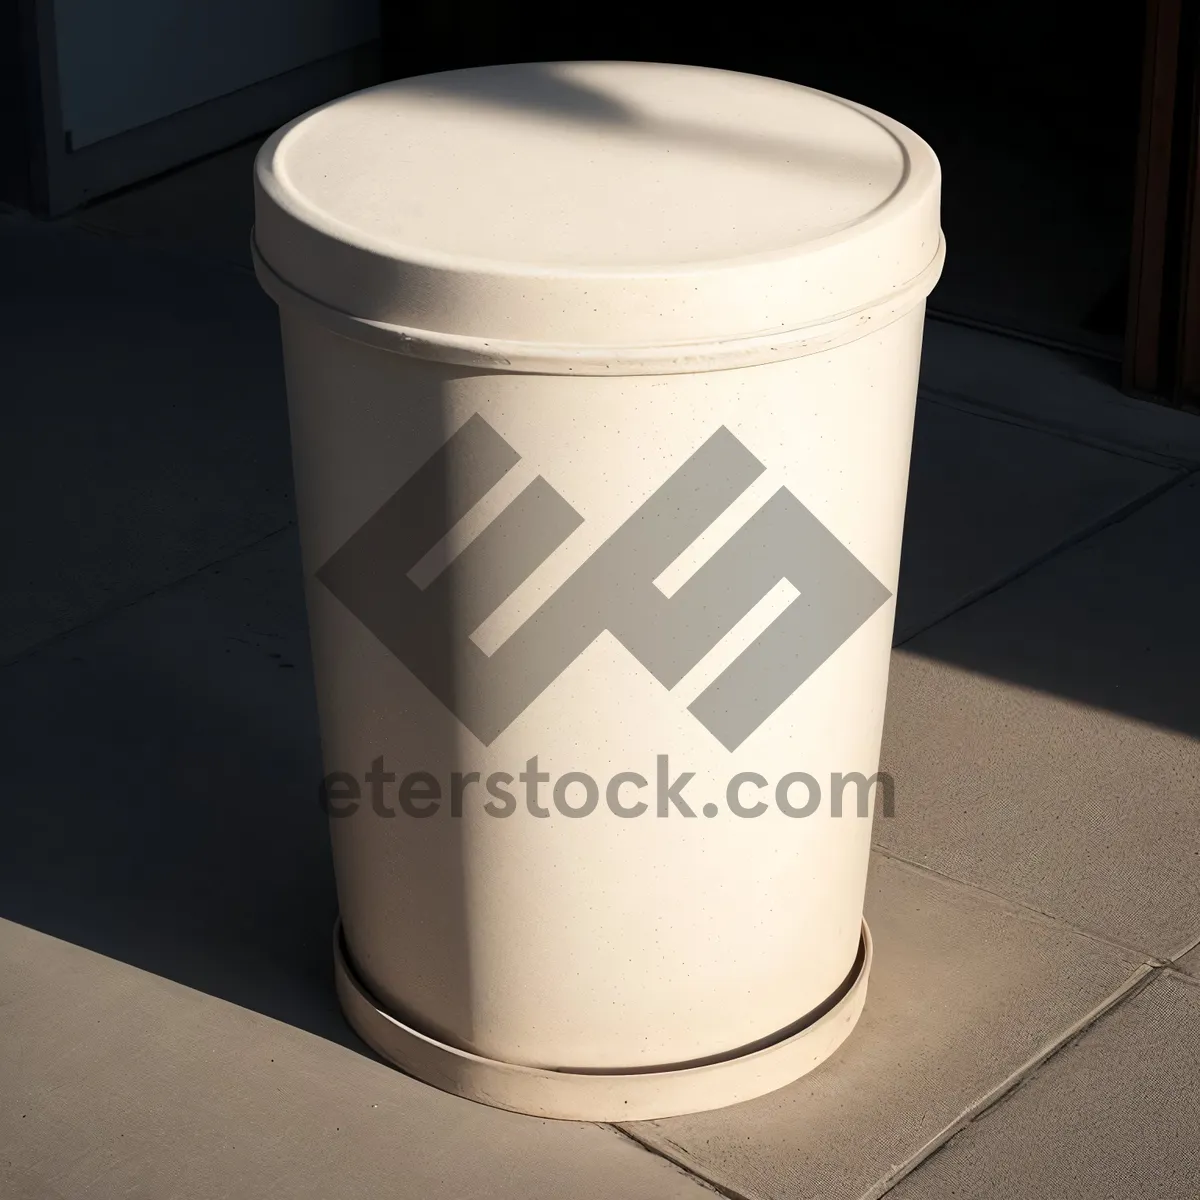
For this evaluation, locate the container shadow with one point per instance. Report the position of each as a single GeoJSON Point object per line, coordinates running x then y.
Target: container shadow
{"type": "Point", "coordinates": [164, 801]}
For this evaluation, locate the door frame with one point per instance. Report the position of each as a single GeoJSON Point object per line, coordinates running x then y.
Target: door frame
{"type": "Point", "coordinates": [1162, 334]}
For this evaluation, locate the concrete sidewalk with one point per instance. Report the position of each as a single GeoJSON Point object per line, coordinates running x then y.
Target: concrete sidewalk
{"type": "Point", "coordinates": [167, 1022]}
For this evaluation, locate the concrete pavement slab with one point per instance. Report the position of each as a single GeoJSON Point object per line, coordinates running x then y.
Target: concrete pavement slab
{"type": "Point", "coordinates": [1044, 741]}
{"type": "Point", "coordinates": [987, 497]}
{"type": "Point", "coordinates": [1114, 1115]}
{"type": "Point", "coordinates": [146, 422]}
{"type": "Point", "coordinates": [118, 1082]}
{"type": "Point", "coordinates": [161, 767]}
{"type": "Point", "coordinates": [964, 992]}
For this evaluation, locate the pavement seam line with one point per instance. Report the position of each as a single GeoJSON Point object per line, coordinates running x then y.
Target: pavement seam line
{"type": "Point", "coordinates": [162, 244]}
{"type": "Point", "coordinates": [1141, 978]}
{"type": "Point", "coordinates": [1192, 945]}
{"type": "Point", "coordinates": [1061, 345]}
{"type": "Point", "coordinates": [1181, 976]}
{"type": "Point", "coordinates": [1116, 517]}
{"type": "Point", "coordinates": [1092, 935]}
{"type": "Point", "coordinates": [112, 609]}
{"type": "Point", "coordinates": [684, 1162]}
{"type": "Point", "coordinates": [1173, 972]}
{"type": "Point", "coordinates": [1134, 985]}
{"type": "Point", "coordinates": [1003, 416]}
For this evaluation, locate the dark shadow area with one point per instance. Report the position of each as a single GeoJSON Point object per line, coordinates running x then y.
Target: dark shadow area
{"type": "Point", "coordinates": [1109, 622]}
{"type": "Point", "coordinates": [162, 754]}
{"type": "Point", "coordinates": [161, 774]}
{"type": "Point", "coordinates": [143, 407]}
{"type": "Point", "coordinates": [987, 496]}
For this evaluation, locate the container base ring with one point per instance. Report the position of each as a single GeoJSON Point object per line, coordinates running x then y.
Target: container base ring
{"type": "Point", "coordinates": [595, 1095]}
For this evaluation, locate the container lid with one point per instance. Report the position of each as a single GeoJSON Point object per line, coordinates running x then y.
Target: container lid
{"type": "Point", "coordinates": [600, 217]}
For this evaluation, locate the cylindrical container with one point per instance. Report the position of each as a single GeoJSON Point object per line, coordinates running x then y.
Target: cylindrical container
{"type": "Point", "coordinates": [601, 380]}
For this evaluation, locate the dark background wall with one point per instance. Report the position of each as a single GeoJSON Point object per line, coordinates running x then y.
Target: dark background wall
{"type": "Point", "coordinates": [16, 107]}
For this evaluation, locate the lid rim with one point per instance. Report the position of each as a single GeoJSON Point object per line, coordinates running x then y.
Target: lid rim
{"type": "Point", "coordinates": [648, 359]}
{"type": "Point", "coordinates": [835, 213]}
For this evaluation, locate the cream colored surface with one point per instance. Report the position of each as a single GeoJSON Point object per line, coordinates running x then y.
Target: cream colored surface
{"type": "Point", "coordinates": [602, 943]}
{"type": "Point", "coordinates": [697, 205]}
{"type": "Point", "coordinates": [611, 205]}
{"type": "Point", "coordinates": [598, 1096]}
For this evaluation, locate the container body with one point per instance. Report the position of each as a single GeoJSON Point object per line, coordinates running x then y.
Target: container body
{"type": "Point", "coordinates": [598, 661]}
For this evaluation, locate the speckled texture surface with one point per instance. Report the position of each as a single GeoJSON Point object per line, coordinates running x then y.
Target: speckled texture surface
{"type": "Point", "coordinates": [965, 991]}
{"type": "Point", "coordinates": [1113, 1115]}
